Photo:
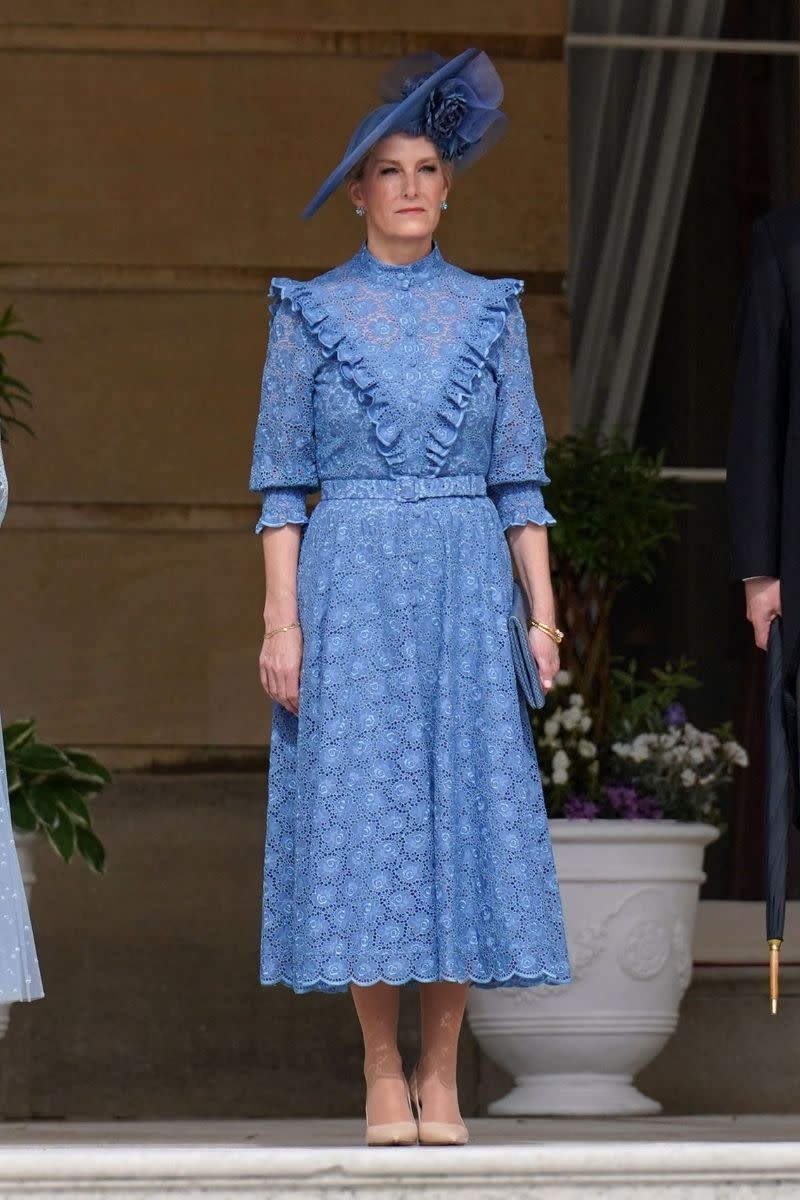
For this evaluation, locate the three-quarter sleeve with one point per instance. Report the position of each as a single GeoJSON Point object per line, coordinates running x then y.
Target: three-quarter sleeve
{"type": "Point", "coordinates": [516, 472]}
{"type": "Point", "coordinates": [284, 466]}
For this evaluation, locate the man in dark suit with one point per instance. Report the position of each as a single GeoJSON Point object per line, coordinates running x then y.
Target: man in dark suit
{"type": "Point", "coordinates": [764, 446]}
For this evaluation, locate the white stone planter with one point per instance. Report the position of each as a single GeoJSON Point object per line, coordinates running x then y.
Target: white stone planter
{"type": "Point", "coordinates": [629, 891]}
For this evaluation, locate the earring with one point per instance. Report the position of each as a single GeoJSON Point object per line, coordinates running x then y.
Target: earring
{"type": "Point", "coordinates": [443, 206]}
{"type": "Point", "coordinates": [359, 211]}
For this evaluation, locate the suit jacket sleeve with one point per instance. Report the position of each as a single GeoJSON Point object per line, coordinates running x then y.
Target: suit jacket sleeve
{"type": "Point", "coordinates": [758, 418]}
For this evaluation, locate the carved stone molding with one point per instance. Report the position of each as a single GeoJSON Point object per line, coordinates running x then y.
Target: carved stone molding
{"type": "Point", "coordinates": [646, 950]}
{"type": "Point", "coordinates": [88, 39]}
{"type": "Point", "coordinates": [131, 518]}
{"type": "Point", "coordinates": [125, 277]}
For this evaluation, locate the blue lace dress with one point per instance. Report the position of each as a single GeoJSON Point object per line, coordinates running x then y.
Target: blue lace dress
{"type": "Point", "coordinates": [19, 967]}
{"type": "Point", "coordinates": [406, 832]}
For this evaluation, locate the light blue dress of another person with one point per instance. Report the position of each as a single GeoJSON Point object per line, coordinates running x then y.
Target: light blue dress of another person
{"type": "Point", "coordinates": [19, 967]}
{"type": "Point", "coordinates": [407, 838]}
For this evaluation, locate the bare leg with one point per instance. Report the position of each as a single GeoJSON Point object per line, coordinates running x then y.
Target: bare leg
{"type": "Point", "coordinates": [442, 1012]}
{"type": "Point", "coordinates": [378, 1009]}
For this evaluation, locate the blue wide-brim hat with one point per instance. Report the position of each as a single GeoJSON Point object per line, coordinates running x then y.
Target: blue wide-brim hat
{"type": "Point", "coordinates": [454, 103]}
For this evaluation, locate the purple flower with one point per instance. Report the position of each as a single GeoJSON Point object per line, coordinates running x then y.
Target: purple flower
{"type": "Point", "coordinates": [675, 715]}
{"type": "Point", "coordinates": [580, 808]}
{"type": "Point", "coordinates": [630, 806]}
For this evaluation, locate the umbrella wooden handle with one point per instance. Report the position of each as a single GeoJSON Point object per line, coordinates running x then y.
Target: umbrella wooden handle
{"type": "Point", "coordinates": [774, 966]}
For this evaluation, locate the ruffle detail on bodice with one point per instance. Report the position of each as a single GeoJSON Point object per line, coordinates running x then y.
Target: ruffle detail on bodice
{"type": "Point", "coordinates": [477, 345]}
{"type": "Point", "coordinates": [334, 343]}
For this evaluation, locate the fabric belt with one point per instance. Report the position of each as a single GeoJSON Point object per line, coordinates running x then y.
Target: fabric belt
{"type": "Point", "coordinates": [404, 487]}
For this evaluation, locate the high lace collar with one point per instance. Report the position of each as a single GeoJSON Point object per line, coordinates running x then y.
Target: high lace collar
{"type": "Point", "coordinates": [402, 274]}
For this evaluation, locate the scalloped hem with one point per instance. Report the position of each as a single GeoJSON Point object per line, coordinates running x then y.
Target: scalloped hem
{"type": "Point", "coordinates": [515, 980]}
{"type": "Point", "coordinates": [522, 519]}
{"type": "Point", "coordinates": [262, 524]}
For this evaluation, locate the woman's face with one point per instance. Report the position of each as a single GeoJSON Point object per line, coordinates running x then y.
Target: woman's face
{"type": "Point", "coordinates": [402, 188]}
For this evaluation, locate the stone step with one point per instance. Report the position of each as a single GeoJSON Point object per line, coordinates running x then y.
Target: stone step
{"type": "Point", "coordinates": [697, 1158]}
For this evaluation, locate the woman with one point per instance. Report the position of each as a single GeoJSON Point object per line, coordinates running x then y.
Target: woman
{"type": "Point", "coordinates": [19, 968]}
{"type": "Point", "coordinates": [407, 839]}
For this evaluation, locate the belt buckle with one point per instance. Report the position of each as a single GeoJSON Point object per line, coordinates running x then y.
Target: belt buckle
{"type": "Point", "coordinates": [409, 488]}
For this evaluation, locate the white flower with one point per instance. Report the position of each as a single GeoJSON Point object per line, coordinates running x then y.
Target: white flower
{"type": "Point", "coordinates": [586, 749]}
{"type": "Point", "coordinates": [586, 723]}
{"type": "Point", "coordinates": [551, 727]}
{"type": "Point", "coordinates": [576, 701]}
{"type": "Point", "coordinates": [571, 718]}
{"type": "Point", "coordinates": [688, 777]}
{"type": "Point", "coordinates": [640, 748]}
{"type": "Point", "coordinates": [621, 749]}
{"type": "Point", "coordinates": [563, 679]}
{"type": "Point", "coordinates": [560, 761]}
{"type": "Point", "coordinates": [696, 755]}
{"type": "Point", "coordinates": [735, 754]}
{"type": "Point", "coordinates": [560, 776]}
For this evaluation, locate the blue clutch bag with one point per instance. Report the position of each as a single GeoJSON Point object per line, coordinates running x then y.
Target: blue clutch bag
{"type": "Point", "coordinates": [524, 663]}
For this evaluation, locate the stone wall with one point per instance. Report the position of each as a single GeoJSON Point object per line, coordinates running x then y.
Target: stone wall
{"type": "Point", "coordinates": [157, 158]}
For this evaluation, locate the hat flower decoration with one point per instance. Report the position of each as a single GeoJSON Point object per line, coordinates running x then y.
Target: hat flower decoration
{"type": "Point", "coordinates": [454, 103]}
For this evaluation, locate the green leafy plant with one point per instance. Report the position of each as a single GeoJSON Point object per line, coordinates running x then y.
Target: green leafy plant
{"type": "Point", "coordinates": [615, 513]}
{"type": "Point", "coordinates": [49, 791]}
{"type": "Point", "coordinates": [13, 392]}
{"type": "Point", "coordinates": [639, 703]}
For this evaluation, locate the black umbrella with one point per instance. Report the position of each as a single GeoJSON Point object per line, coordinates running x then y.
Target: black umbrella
{"type": "Point", "coordinates": [777, 803]}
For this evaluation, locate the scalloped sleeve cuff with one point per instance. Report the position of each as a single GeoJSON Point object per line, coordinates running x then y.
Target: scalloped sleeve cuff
{"type": "Point", "coordinates": [519, 503]}
{"type": "Point", "coordinates": [282, 505]}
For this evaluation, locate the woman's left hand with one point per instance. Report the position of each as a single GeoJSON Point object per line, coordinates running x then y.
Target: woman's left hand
{"type": "Point", "coordinates": [546, 656]}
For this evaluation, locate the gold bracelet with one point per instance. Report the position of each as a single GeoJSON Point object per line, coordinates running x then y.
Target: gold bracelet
{"type": "Point", "coordinates": [552, 632]}
{"type": "Point", "coordinates": [281, 629]}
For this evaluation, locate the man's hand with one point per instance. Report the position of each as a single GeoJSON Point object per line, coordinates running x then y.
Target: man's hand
{"type": "Point", "coordinates": [763, 598]}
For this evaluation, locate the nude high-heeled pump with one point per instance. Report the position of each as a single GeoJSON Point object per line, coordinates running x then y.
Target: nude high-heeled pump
{"type": "Point", "coordinates": [393, 1133]}
{"type": "Point", "coordinates": [436, 1133]}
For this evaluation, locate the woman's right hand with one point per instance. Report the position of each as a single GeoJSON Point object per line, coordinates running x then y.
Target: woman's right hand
{"type": "Point", "coordinates": [279, 666]}
{"type": "Point", "coordinates": [763, 596]}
